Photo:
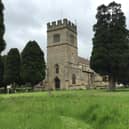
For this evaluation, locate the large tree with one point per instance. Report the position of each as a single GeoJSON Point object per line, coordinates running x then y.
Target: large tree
{"type": "Point", "coordinates": [33, 64]}
{"type": "Point", "coordinates": [1, 71]}
{"type": "Point", "coordinates": [2, 67]}
{"type": "Point", "coordinates": [2, 42]}
{"type": "Point", "coordinates": [2, 28]}
{"type": "Point", "coordinates": [12, 67]}
{"type": "Point", "coordinates": [110, 55]}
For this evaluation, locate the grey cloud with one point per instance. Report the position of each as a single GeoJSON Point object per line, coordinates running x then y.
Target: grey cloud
{"type": "Point", "coordinates": [26, 20]}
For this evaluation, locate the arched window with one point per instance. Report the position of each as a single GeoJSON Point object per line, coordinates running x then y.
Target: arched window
{"type": "Point", "coordinates": [73, 79]}
{"type": "Point", "coordinates": [57, 83]}
{"type": "Point", "coordinates": [57, 68]}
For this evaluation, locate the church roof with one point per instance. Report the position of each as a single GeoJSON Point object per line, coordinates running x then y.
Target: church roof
{"type": "Point", "coordinates": [83, 61]}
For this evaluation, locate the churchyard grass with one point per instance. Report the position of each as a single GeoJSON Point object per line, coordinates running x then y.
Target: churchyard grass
{"type": "Point", "coordinates": [82, 109]}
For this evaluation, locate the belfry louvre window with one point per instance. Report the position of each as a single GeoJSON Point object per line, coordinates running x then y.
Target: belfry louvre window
{"type": "Point", "coordinates": [56, 38]}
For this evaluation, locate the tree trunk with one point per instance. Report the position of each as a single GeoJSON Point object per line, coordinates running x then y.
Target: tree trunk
{"type": "Point", "coordinates": [14, 87]}
{"type": "Point", "coordinates": [5, 89]}
{"type": "Point", "coordinates": [33, 86]}
{"type": "Point", "coordinates": [112, 84]}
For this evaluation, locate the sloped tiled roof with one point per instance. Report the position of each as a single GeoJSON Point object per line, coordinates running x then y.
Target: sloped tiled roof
{"type": "Point", "coordinates": [83, 61]}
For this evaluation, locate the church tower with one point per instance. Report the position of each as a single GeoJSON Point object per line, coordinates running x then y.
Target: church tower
{"type": "Point", "coordinates": [61, 52]}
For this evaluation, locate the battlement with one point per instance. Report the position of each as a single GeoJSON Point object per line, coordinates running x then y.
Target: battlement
{"type": "Point", "coordinates": [55, 25]}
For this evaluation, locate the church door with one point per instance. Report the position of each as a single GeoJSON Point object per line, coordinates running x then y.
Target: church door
{"type": "Point", "coordinates": [57, 83]}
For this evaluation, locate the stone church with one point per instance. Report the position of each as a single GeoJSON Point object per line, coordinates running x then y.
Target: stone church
{"type": "Point", "coordinates": [65, 69]}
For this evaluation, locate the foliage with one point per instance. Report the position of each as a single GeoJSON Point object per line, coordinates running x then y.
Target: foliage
{"type": "Point", "coordinates": [12, 67]}
{"type": "Point", "coordinates": [2, 42]}
{"type": "Point", "coordinates": [2, 68]}
{"type": "Point", "coordinates": [2, 28]}
{"type": "Point", "coordinates": [1, 71]}
{"type": "Point", "coordinates": [33, 64]}
{"type": "Point", "coordinates": [110, 55]}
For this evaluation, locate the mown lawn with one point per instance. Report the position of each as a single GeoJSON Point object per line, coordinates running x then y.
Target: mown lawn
{"type": "Point", "coordinates": [65, 110]}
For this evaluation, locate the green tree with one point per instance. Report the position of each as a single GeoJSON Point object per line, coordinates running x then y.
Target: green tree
{"type": "Point", "coordinates": [12, 67]}
{"type": "Point", "coordinates": [33, 63]}
{"type": "Point", "coordinates": [2, 67]}
{"type": "Point", "coordinates": [2, 28]}
{"type": "Point", "coordinates": [110, 54]}
{"type": "Point", "coordinates": [1, 72]}
{"type": "Point", "coordinates": [2, 41]}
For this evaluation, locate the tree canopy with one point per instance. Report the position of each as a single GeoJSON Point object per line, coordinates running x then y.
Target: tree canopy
{"type": "Point", "coordinates": [2, 41]}
{"type": "Point", "coordinates": [33, 63]}
{"type": "Point", "coordinates": [1, 71]}
{"type": "Point", "coordinates": [110, 55]}
{"type": "Point", "coordinates": [12, 67]}
{"type": "Point", "coordinates": [2, 28]}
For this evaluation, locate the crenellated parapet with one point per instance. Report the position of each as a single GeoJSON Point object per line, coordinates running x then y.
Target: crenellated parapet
{"type": "Point", "coordinates": [55, 25]}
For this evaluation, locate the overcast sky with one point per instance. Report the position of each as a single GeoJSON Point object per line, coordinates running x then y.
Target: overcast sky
{"type": "Point", "coordinates": [26, 20]}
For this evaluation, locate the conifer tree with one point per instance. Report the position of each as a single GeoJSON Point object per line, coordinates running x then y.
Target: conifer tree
{"type": "Point", "coordinates": [2, 28]}
{"type": "Point", "coordinates": [1, 71]}
{"type": "Point", "coordinates": [2, 42]}
{"type": "Point", "coordinates": [33, 64]}
{"type": "Point", "coordinates": [12, 67]}
{"type": "Point", "coordinates": [110, 55]}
